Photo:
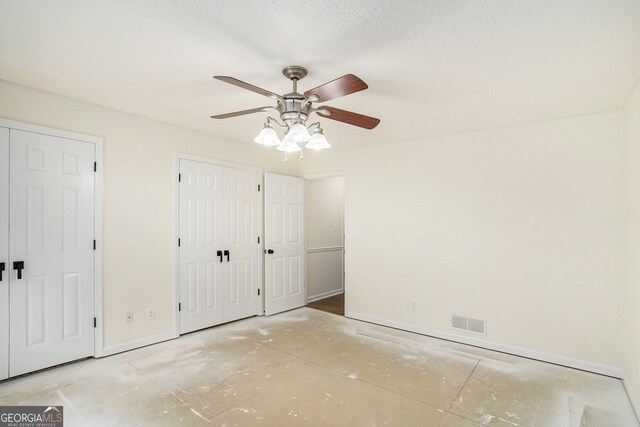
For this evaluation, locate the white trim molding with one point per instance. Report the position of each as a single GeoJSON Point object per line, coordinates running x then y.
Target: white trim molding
{"type": "Point", "coordinates": [583, 365]}
{"type": "Point", "coordinates": [325, 295]}
{"type": "Point", "coordinates": [632, 398]}
{"type": "Point", "coordinates": [324, 249]}
{"type": "Point", "coordinates": [217, 162]}
{"type": "Point", "coordinates": [141, 342]}
{"type": "Point", "coordinates": [324, 175]}
{"type": "Point", "coordinates": [44, 130]}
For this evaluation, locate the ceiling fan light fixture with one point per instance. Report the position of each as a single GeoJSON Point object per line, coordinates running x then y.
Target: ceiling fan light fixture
{"type": "Point", "coordinates": [299, 133]}
{"type": "Point", "coordinates": [294, 109]}
{"type": "Point", "coordinates": [267, 136]}
{"type": "Point", "coordinates": [318, 141]}
{"type": "Point", "coordinates": [288, 145]}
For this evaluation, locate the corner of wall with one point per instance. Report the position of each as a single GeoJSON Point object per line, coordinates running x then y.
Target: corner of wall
{"type": "Point", "coordinates": [631, 292]}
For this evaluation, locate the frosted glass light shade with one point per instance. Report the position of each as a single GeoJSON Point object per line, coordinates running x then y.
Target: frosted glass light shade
{"type": "Point", "coordinates": [267, 136]}
{"type": "Point", "coordinates": [299, 133]}
{"type": "Point", "coordinates": [288, 145]}
{"type": "Point", "coordinates": [318, 142]}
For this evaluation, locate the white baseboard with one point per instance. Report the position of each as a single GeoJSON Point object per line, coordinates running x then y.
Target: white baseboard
{"type": "Point", "coordinates": [610, 371]}
{"type": "Point", "coordinates": [325, 295]}
{"type": "Point", "coordinates": [632, 398]}
{"type": "Point", "coordinates": [142, 342]}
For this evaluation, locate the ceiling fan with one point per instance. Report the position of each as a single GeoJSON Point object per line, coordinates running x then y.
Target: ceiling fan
{"type": "Point", "coordinates": [295, 108]}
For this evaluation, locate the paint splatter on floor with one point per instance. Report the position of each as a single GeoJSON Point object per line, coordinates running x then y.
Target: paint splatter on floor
{"type": "Point", "coordinates": [306, 372]}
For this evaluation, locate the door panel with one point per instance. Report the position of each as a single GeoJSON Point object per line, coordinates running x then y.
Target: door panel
{"type": "Point", "coordinates": [4, 253]}
{"type": "Point", "coordinates": [202, 236]}
{"type": "Point", "coordinates": [241, 226]}
{"type": "Point", "coordinates": [52, 223]}
{"type": "Point", "coordinates": [284, 234]}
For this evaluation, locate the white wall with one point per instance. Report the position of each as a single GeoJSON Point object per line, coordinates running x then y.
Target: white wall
{"type": "Point", "coordinates": [632, 232]}
{"type": "Point", "coordinates": [139, 156]}
{"type": "Point", "coordinates": [519, 226]}
{"type": "Point", "coordinates": [325, 212]}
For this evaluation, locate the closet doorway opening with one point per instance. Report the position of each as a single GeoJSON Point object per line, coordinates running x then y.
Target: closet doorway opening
{"type": "Point", "coordinates": [326, 273]}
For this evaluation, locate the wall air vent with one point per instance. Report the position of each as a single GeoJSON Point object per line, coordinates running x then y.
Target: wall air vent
{"type": "Point", "coordinates": [459, 322]}
{"type": "Point", "coordinates": [475, 325]}
{"type": "Point", "coordinates": [468, 324]}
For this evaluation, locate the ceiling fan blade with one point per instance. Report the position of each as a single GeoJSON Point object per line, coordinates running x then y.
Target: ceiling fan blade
{"type": "Point", "coordinates": [348, 117]}
{"type": "Point", "coordinates": [242, 113]}
{"type": "Point", "coordinates": [247, 86]}
{"type": "Point", "coordinates": [341, 86]}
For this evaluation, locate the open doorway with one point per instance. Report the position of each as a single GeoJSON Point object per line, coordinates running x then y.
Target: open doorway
{"type": "Point", "coordinates": [325, 202]}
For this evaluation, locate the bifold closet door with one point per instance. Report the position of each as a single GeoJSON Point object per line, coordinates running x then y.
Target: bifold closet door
{"type": "Point", "coordinates": [51, 247]}
{"type": "Point", "coordinates": [241, 219]}
{"type": "Point", "coordinates": [201, 262]}
{"type": "Point", "coordinates": [218, 216]}
{"type": "Point", "coordinates": [4, 253]}
{"type": "Point", "coordinates": [284, 242]}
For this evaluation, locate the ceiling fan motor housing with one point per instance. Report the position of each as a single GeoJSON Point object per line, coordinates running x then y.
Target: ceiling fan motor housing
{"type": "Point", "coordinates": [293, 108]}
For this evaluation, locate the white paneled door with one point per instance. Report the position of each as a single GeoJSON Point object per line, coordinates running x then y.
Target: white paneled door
{"type": "Point", "coordinates": [242, 223]}
{"type": "Point", "coordinates": [218, 218]}
{"type": "Point", "coordinates": [201, 264]}
{"type": "Point", "coordinates": [284, 243]}
{"type": "Point", "coordinates": [51, 269]}
{"type": "Point", "coordinates": [4, 253]}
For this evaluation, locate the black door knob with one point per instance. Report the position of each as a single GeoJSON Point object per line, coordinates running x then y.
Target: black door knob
{"type": "Point", "coordinates": [18, 265]}
{"type": "Point", "coordinates": [1, 270]}
{"type": "Point", "coordinates": [226, 253]}
{"type": "Point", "coordinates": [270, 251]}
{"type": "Point", "coordinates": [219, 254]}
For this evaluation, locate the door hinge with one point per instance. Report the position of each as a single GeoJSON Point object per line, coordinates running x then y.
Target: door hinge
{"type": "Point", "coordinates": [178, 242]}
{"type": "Point", "coordinates": [95, 322]}
{"type": "Point", "coordinates": [258, 187]}
{"type": "Point", "coordinates": [258, 239]}
{"type": "Point", "coordinates": [258, 292]}
{"type": "Point", "coordinates": [179, 177]}
{"type": "Point", "coordinates": [94, 245]}
{"type": "Point", "coordinates": [179, 306]}
{"type": "Point", "coordinates": [95, 166]}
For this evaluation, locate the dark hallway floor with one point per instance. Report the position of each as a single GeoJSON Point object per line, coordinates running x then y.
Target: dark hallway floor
{"type": "Point", "coordinates": [334, 304]}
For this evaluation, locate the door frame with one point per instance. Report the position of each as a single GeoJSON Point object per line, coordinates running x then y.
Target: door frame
{"type": "Point", "coordinates": [98, 143]}
{"type": "Point", "coordinates": [345, 227]}
{"type": "Point", "coordinates": [176, 228]}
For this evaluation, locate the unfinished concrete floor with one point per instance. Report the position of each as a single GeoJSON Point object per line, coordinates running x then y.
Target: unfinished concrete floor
{"type": "Point", "coordinates": [310, 367]}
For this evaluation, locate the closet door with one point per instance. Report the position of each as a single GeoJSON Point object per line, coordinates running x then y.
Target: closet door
{"type": "Point", "coordinates": [4, 253]}
{"type": "Point", "coordinates": [241, 219]}
{"type": "Point", "coordinates": [201, 267]}
{"type": "Point", "coordinates": [51, 246]}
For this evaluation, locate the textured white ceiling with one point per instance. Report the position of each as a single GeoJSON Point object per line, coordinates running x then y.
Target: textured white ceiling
{"type": "Point", "coordinates": [433, 67]}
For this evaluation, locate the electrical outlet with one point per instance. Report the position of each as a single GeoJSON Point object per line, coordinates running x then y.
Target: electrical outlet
{"type": "Point", "coordinates": [151, 313]}
{"type": "Point", "coordinates": [130, 317]}
{"type": "Point", "coordinates": [413, 305]}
